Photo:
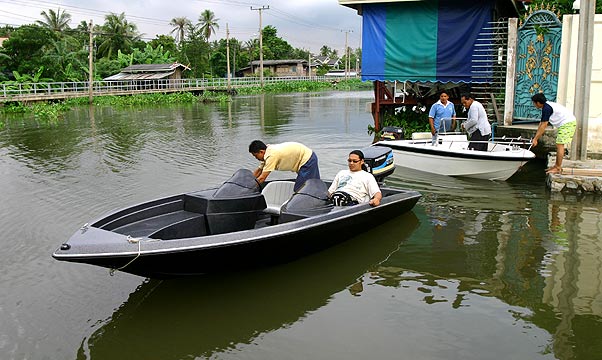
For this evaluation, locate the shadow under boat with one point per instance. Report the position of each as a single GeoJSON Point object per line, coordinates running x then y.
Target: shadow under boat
{"type": "Point", "coordinates": [199, 317]}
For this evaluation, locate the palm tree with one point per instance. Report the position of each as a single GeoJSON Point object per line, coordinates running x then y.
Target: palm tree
{"type": "Point", "coordinates": [117, 34]}
{"type": "Point", "coordinates": [250, 46]}
{"type": "Point", "coordinates": [208, 23]}
{"type": "Point", "coordinates": [180, 25]}
{"type": "Point", "coordinates": [56, 21]}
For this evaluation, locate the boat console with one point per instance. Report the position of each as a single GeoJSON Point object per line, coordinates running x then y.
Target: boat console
{"type": "Point", "coordinates": [232, 207]}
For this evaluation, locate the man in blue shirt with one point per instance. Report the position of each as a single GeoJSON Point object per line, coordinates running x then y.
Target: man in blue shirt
{"type": "Point", "coordinates": [442, 116]}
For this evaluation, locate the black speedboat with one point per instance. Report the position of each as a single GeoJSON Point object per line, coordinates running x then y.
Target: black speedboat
{"type": "Point", "coordinates": [238, 224]}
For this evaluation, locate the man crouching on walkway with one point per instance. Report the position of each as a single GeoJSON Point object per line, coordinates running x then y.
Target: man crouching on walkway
{"type": "Point", "coordinates": [287, 156]}
{"type": "Point", "coordinates": [559, 117]}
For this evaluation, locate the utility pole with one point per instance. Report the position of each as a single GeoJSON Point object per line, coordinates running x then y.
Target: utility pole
{"type": "Point", "coordinates": [228, 54]}
{"type": "Point", "coordinates": [347, 65]}
{"type": "Point", "coordinates": [583, 77]}
{"type": "Point", "coordinates": [260, 43]}
{"type": "Point", "coordinates": [90, 64]}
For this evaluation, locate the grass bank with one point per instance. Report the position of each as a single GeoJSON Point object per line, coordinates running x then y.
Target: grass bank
{"type": "Point", "coordinates": [53, 111]}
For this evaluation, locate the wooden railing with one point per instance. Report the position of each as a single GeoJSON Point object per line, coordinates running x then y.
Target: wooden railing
{"type": "Point", "coordinates": [63, 90]}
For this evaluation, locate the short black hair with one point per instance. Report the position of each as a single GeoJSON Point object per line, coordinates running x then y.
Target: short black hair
{"type": "Point", "coordinates": [539, 98]}
{"type": "Point", "coordinates": [358, 153]}
{"type": "Point", "coordinates": [256, 146]}
{"type": "Point", "coordinates": [467, 96]}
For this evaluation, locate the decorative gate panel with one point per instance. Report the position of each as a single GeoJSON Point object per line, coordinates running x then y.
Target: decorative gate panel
{"type": "Point", "coordinates": [537, 62]}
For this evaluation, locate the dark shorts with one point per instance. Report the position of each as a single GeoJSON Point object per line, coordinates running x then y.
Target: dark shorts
{"type": "Point", "coordinates": [481, 145]}
{"type": "Point", "coordinates": [309, 170]}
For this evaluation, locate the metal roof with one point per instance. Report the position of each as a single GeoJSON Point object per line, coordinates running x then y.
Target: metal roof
{"type": "Point", "coordinates": [279, 62]}
{"type": "Point", "coordinates": [147, 71]}
{"type": "Point", "coordinates": [140, 76]}
{"type": "Point", "coordinates": [153, 67]}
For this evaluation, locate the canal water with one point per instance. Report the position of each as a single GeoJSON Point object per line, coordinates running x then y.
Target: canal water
{"type": "Point", "coordinates": [478, 270]}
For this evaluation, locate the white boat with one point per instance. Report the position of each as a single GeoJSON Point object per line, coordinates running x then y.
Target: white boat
{"type": "Point", "coordinates": [451, 156]}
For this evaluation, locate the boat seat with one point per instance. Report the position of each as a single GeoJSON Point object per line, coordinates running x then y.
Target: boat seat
{"type": "Point", "coordinates": [421, 135]}
{"type": "Point", "coordinates": [276, 193]}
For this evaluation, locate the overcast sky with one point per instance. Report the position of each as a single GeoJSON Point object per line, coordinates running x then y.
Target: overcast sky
{"type": "Point", "coordinates": [306, 24]}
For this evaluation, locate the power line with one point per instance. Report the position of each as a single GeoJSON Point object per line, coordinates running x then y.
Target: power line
{"type": "Point", "coordinates": [275, 13]}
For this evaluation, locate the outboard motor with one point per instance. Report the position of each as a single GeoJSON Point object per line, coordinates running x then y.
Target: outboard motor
{"type": "Point", "coordinates": [379, 160]}
{"type": "Point", "coordinates": [392, 133]}
{"type": "Point", "coordinates": [310, 200]}
{"type": "Point", "coordinates": [241, 183]}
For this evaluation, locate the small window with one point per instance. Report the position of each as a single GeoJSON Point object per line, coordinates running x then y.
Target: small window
{"type": "Point", "coordinates": [293, 69]}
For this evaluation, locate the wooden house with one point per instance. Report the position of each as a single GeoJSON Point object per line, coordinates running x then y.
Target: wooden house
{"type": "Point", "coordinates": [279, 68]}
{"type": "Point", "coordinates": [149, 72]}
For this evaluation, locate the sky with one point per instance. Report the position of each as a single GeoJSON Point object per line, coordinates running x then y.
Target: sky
{"type": "Point", "coordinates": [305, 24]}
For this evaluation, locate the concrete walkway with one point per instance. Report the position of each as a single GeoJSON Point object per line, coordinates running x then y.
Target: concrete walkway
{"type": "Point", "coordinates": [576, 176]}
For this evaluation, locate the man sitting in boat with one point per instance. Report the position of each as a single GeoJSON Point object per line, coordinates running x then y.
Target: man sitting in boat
{"type": "Point", "coordinates": [355, 186]}
{"type": "Point", "coordinates": [477, 125]}
{"type": "Point", "coordinates": [287, 156]}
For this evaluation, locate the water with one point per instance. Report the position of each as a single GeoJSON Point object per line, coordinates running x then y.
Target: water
{"type": "Point", "coordinates": [478, 270]}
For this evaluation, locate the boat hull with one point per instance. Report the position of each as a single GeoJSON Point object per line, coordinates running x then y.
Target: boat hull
{"type": "Point", "coordinates": [453, 158]}
{"type": "Point", "coordinates": [261, 246]}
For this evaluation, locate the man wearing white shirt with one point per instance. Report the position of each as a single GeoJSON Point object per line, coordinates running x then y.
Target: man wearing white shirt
{"type": "Point", "coordinates": [559, 117]}
{"type": "Point", "coordinates": [355, 184]}
{"type": "Point", "coordinates": [476, 125]}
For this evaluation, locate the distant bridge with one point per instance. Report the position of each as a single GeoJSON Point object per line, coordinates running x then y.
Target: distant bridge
{"type": "Point", "coordinates": [42, 91]}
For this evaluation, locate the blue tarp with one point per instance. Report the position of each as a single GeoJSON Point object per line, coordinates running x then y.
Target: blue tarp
{"type": "Point", "coordinates": [425, 41]}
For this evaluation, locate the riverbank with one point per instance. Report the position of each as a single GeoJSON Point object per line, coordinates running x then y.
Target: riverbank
{"type": "Point", "coordinates": [576, 177]}
{"type": "Point", "coordinates": [49, 111]}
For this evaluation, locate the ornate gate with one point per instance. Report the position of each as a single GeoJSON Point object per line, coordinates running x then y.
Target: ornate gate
{"type": "Point", "coordinates": [537, 62]}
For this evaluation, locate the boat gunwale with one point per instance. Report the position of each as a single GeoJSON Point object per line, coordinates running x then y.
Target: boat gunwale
{"type": "Point", "coordinates": [463, 154]}
{"type": "Point", "coordinates": [209, 241]}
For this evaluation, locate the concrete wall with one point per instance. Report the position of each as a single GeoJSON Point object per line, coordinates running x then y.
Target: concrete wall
{"type": "Point", "coordinates": [567, 75]}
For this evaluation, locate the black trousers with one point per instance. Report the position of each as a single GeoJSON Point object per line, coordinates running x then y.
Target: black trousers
{"type": "Point", "coordinates": [482, 144]}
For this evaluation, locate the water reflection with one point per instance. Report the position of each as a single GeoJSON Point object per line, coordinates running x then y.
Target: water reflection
{"type": "Point", "coordinates": [492, 269]}
{"type": "Point", "coordinates": [177, 319]}
{"type": "Point", "coordinates": [506, 240]}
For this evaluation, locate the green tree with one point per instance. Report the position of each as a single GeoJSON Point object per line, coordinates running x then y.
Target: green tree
{"type": "Point", "coordinates": [66, 60]}
{"type": "Point", "coordinates": [25, 49]}
{"type": "Point", "coordinates": [193, 53]}
{"type": "Point", "coordinates": [81, 33]}
{"type": "Point", "coordinates": [180, 24]}
{"type": "Point", "coordinates": [238, 57]}
{"type": "Point", "coordinates": [208, 23]}
{"type": "Point", "coordinates": [327, 51]}
{"type": "Point", "coordinates": [105, 67]}
{"type": "Point", "coordinates": [56, 21]}
{"type": "Point", "coordinates": [561, 6]}
{"type": "Point", "coordinates": [6, 30]}
{"type": "Point", "coordinates": [274, 47]}
{"type": "Point", "coordinates": [117, 34]}
{"type": "Point", "coordinates": [218, 61]}
{"type": "Point", "coordinates": [150, 55]}
{"type": "Point", "coordinates": [167, 42]}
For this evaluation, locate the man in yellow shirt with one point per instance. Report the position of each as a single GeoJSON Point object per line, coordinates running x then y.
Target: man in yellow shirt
{"type": "Point", "coordinates": [287, 156]}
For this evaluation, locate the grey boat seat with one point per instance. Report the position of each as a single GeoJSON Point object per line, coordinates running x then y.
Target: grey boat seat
{"type": "Point", "coordinates": [276, 194]}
